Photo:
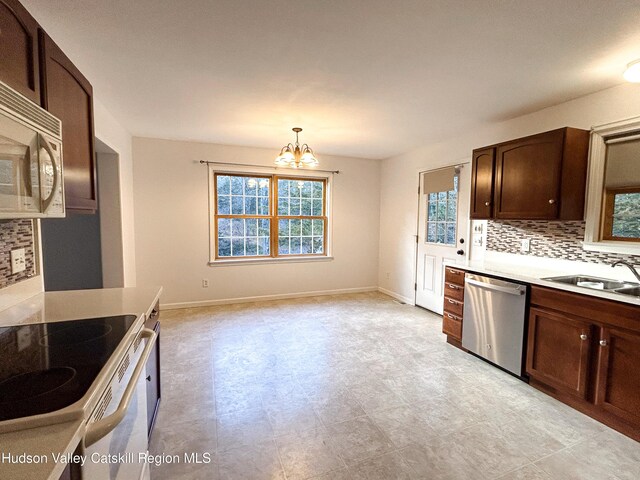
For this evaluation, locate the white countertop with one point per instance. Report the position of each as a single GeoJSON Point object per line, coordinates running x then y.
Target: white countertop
{"type": "Point", "coordinates": [63, 438]}
{"type": "Point", "coordinates": [534, 275]}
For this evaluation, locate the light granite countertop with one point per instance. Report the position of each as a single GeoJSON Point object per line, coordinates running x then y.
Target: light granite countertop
{"type": "Point", "coordinates": [50, 441]}
{"type": "Point", "coordinates": [534, 275]}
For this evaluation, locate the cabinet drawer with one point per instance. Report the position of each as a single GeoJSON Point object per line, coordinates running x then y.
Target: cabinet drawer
{"type": "Point", "coordinates": [453, 306]}
{"type": "Point", "coordinates": [452, 325]}
{"type": "Point", "coordinates": [453, 275]}
{"type": "Point", "coordinates": [454, 291]}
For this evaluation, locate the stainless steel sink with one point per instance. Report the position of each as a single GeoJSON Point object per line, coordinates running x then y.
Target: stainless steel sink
{"type": "Point", "coordinates": [595, 283]}
{"type": "Point", "coordinates": [633, 291]}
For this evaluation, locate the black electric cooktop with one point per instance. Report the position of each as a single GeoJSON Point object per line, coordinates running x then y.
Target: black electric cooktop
{"type": "Point", "coordinates": [48, 366]}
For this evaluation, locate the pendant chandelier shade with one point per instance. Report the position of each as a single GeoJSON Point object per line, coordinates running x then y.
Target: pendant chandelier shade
{"type": "Point", "coordinates": [296, 155]}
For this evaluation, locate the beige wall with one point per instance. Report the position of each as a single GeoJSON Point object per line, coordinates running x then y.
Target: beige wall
{"type": "Point", "coordinates": [172, 227]}
{"type": "Point", "coordinates": [398, 201]}
{"type": "Point", "coordinates": [113, 134]}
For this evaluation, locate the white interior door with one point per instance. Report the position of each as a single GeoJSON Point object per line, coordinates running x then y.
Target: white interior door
{"type": "Point", "coordinates": [443, 227]}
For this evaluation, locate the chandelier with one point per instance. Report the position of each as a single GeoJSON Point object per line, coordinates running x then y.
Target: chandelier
{"type": "Point", "coordinates": [296, 155]}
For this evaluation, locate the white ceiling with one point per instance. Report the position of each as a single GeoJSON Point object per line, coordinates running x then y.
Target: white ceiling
{"type": "Point", "coordinates": [369, 78]}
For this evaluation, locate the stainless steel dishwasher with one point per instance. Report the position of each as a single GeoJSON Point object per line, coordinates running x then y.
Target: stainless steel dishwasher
{"type": "Point", "coordinates": [493, 325]}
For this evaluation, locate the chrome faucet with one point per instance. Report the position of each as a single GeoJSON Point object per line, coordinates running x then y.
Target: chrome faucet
{"type": "Point", "coordinates": [629, 266]}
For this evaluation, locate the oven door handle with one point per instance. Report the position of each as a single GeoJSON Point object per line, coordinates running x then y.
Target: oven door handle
{"type": "Point", "coordinates": [102, 427]}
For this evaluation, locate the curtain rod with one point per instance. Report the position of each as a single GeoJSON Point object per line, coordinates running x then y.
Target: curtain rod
{"type": "Point", "coordinates": [205, 162]}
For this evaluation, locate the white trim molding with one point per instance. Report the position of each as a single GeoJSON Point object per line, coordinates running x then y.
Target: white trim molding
{"type": "Point", "coordinates": [397, 296]}
{"type": "Point", "coordinates": [262, 298]}
{"type": "Point", "coordinates": [595, 186]}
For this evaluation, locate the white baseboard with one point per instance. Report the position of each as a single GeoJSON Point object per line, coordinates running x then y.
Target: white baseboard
{"type": "Point", "coordinates": [229, 301]}
{"type": "Point", "coordinates": [397, 296]}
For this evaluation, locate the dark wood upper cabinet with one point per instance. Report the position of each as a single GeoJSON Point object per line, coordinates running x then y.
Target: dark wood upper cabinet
{"type": "Point", "coordinates": [483, 167]}
{"type": "Point", "coordinates": [540, 177]}
{"type": "Point", "coordinates": [19, 66]}
{"type": "Point", "coordinates": [558, 351]}
{"type": "Point", "coordinates": [68, 95]}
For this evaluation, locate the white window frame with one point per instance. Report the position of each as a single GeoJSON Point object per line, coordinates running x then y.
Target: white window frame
{"type": "Point", "coordinates": [213, 169]}
{"type": "Point", "coordinates": [595, 188]}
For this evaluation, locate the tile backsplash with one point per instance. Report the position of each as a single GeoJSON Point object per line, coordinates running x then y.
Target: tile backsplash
{"type": "Point", "coordinates": [548, 239]}
{"type": "Point", "coordinates": [16, 234]}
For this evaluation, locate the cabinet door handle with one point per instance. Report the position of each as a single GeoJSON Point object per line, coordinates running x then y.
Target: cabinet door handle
{"type": "Point", "coordinates": [603, 343]}
{"type": "Point", "coordinates": [451, 301]}
{"type": "Point", "coordinates": [583, 337]}
{"type": "Point", "coordinates": [552, 201]}
{"type": "Point", "coordinates": [486, 204]}
{"type": "Point", "coordinates": [452, 286]}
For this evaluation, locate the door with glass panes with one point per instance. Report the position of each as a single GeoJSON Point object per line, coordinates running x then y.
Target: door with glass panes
{"type": "Point", "coordinates": [443, 222]}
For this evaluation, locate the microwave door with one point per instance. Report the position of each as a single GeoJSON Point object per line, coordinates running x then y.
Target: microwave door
{"type": "Point", "coordinates": [50, 177]}
{"type": "Point", "coordinates": [19, 183]}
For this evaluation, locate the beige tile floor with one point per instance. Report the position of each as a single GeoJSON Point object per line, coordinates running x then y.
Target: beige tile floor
{"type": "Point", "coordinates": [359, 387]}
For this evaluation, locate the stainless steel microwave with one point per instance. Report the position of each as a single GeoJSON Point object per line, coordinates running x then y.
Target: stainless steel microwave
{"type": "Point", "coordinates": [31, 183]}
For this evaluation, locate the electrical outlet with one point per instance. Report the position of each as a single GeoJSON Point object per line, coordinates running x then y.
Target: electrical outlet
{"type": "Point", "coordinates": [18, 261]}
{"type": "Point", "coordinates": [477, 240]}
{"type": "Point", "coordinates": [525, 245]}
{"type": "Point", "coordinates": [205, 283]}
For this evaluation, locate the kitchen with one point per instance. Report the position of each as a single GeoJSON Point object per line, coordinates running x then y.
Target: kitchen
{"type": "Point", "coordinates": [315, 322]}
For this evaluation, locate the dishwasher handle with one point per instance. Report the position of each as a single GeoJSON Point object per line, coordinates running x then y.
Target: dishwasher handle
{"type": "Point", "coordinates": [489, 286]}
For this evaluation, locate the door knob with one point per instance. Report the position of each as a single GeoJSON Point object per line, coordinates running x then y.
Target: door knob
{"type": "Point", "coordinates": [552, 201]}
{"type": "Point", "coordinates": [486, 204]}
{"type": "Point", "coordinates": [583, 337]}
{"type": "Point", "coordinates": [603, 343]}
{"type": "Point", "coordinates": [460, 252]}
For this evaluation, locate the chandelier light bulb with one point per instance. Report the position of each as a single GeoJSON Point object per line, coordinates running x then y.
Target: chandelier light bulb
{"type": "Point", "coordinates": [632, 73]}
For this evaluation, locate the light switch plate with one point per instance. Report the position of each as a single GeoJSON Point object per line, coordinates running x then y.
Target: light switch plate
{"type": "Point", "coordinates": [18, 261]}
{"type": "Point", "coordinates": [525, 246]}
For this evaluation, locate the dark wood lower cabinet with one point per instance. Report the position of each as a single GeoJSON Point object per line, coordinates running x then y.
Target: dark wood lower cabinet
{"type": "Point", "coordinates": [558, 351]}
{"type": "Point", "coordinates": [585, 351]}
{"type": "Point", "coordinates": [453, 305]}
{"type": "Point", "coordinates": [153, 372]}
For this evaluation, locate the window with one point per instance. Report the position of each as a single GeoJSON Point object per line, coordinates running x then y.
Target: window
{"type": "Point", "coordinates": [266, 216]}
{"type": "Point", "coordinates": [621, 220]}
{"type": "Point", "coordinates": [442, 215]}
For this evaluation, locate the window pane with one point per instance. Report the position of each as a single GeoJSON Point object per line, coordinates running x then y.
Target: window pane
{"type": "Point", "coordinates": [452, 207]}
{"type": "Point", "coordinates": [626, 215]}
{"type": "Point", "coordinates": [318, 245]}
{"type": "Point", "coordinates": [224, 227]}
{"type": "Point", "coordinates": [294, 207]}
{"type": "Point", "coordinates": [440, 232]}
{"type": "Point", "coordinates": [237, 205]}
{"type": "Point", "coordinates": [305, 206]}
{"type": "Point", "coordinates": [442, 195]}
{"type": "Point", "coordinates": [250, 186]}
{"type": "Point", "coordinates": [317, 208]}
{"type": "Point", "coordinates": [431, 210]}
{"type": "Point", "coordinates": [283, 206]}
{"type": "Point", "coordinates": [224, 247]}
{"type": "Point", "coordinates": [237, 185]}
{"type": "Point", "coordinates": [263, 246]}
{"type": "Point", "coordinates": [451, 234]}
{"type": "Point", "coordinates": [295, 246]}
{"type": "Point", "coordinates": [317, 189]}
{"type": "Point", "coordinates": [283, 228]}
{"type": "Point", "coordinates": [263, 227]}
{"type": "Point", "coordinates": [224, 204]}
{"type": "Point", "coordinates": [318, 227]}
{"type": "Point", "coordinates": [237, 227]}
{"type": "Point", "coordinates": [441, 212]}
{"type": "Point", "coordinates": [431, 232]}
{"type": "Point", "coordinates": [251, 227]}
{"type": "Point", "coordinates": [237, 247]}
{"type": "Point", "coordinates": [263, 205]}
{"type": "Point", "coordinates": [306, 227]}
{"type": "Point", "coordinates": [283, 245]}
{"type": "Point", "coordinates": [433, 197]}
{"type": "Point", "coordinates": [250, 205]}
{"type": "Point", "coordinates": [223, 184]}
{"type": "Point", "coordinates": [306, 245]}
{"type": "Point", "coordinates": [251, 246]}
{"type": "Point", "coordinates": [283, 188]}
{"type": "Point", "coordinates": [295, 227]}
{"type": "Point", "coordinates": [307, 188]}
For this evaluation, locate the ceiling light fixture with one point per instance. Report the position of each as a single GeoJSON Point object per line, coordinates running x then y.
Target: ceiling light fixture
{"type": "Point", "coordinates": [632, 73]}
{"type": "Point", "coordinates": [295, 155]}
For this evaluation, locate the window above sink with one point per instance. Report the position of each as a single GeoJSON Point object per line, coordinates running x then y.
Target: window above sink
{"type": "Point", "coordinates": [613, 194]}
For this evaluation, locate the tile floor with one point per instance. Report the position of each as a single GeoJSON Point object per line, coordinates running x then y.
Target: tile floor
{"type": "Point", "coordinates": [359, 387]}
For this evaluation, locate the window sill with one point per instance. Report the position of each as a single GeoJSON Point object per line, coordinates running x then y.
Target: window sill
{"type": "Point", "coordinates": [260, 261]}
{"type": "Point", "coordinates": [629, 248]}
